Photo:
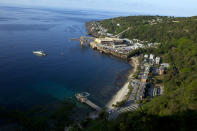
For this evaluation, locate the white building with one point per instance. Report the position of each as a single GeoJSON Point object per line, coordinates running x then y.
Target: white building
{"type": "Point", "coordinates": [108, 40]}
{"type": "Point", "coordinates": [127, 40]}
{"type": "Point", "coordinates": [150, 44]}
{"type": "Point", "coordinates": [145, 56]}
{"type": "Point", "coordinates": [135, 46]}
{"type": "Point", "coordinates": [108, 34]}
{"type": "Point", "coordinates": [165, 65]}
{"type": "Point", "coordinates": [157, 60]}
{"type": "Point", "coordinates": [128, 48]}
{"type": "Point", "coordinates": [139, 45]}
{"type": "Point", "coordinates": [152, 57]}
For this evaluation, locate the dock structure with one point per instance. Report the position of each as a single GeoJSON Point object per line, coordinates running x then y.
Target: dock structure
{"type": "Point", "coordinates": [82, 97]}
{"type": "Point", "coordinates": [83, 39]}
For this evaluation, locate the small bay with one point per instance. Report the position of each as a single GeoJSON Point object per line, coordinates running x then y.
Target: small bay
{"type": "Point", "coordinates": [27, 80]}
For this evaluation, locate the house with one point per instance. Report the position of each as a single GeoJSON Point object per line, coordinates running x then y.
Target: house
{"type": "Point", "coordinates": [152, 57]}
{"type": "Point", "coordinates": [157, 91]}
{"type": "Point", "coordinates": [157, 60]}
{"type": "Point", "coordinates": [147, 69]}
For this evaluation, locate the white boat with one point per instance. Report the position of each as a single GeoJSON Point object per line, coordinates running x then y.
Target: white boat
{"type": "Point", "coordinates": [39, 53]}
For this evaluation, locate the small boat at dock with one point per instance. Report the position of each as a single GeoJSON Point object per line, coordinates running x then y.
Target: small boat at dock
{"type": "Point", "coordinates": [39, 53]}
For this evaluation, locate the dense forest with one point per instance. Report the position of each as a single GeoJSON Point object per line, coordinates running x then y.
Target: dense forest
{"type": "Point", "coordinates": [177, 108]}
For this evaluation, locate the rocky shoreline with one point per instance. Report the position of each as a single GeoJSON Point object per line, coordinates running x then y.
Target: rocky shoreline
{"type": "Point", "coordinates": [109, 52]}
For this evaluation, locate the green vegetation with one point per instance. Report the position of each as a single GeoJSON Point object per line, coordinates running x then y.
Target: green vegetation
{"type": "Point", "coordinates": [39, 118]}
{"type": "Point", "coordinates": [163, 31]}
{"type": "Point", "coordinates": [142, 121]}
{"type": "Point", "coordinates": [180, 80]}
{"type": "Point", "coordinates": [178, 47]}
{"type": "Point", "coordinates": [177, 108]}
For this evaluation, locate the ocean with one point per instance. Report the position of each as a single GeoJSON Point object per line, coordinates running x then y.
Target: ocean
{"type": "Point", "coordinates": [27, 80]}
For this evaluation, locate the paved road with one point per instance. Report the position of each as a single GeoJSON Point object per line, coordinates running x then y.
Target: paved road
{"type": "Point", "coordinates": [114, 113]}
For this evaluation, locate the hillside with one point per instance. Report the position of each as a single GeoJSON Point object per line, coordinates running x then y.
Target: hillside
{"type": "Point", "coordinates": [177, 108]}
{"type": "Point", "coordinates": [178, 47]}
{"type": "Point", "coordinates": [153, 28]}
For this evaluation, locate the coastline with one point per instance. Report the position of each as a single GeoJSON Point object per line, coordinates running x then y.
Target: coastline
{"type": "Point", "coordinates": [133, 61]}
{"type": "Point", "coordinates": [121, 94]}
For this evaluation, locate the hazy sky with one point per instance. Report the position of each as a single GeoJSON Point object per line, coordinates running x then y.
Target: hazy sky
{"type": "Point", "coordinates": [160, 7]}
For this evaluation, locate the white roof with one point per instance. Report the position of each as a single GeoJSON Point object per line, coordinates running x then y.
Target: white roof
{"type": "Point", "coordinates": [158, 58]}
{"type": "Point", "coordinates": [146, 55]}
{"type": "Point", "coordinates": [165, 65]}
{"type": "Point", "coordinates": [152, 56]}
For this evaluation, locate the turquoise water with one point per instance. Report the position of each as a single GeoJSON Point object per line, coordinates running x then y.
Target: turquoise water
{"type": "Point", "coordinates": [27, 80]}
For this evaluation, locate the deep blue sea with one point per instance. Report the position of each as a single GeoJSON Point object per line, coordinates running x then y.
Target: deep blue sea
{"type": "Point", "coordinates": [27, 80]}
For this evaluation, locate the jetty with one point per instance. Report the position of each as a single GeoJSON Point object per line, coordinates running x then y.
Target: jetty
{"type": "Point", "coordinates": [82, 97]}
{"type": "Point", "coordinates": [84, 39]}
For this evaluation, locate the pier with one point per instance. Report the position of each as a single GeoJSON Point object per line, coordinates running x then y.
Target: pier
{"type": "Point", "coordinates": [83, 39]}
{"type": "Point", "coordinates": [82, 97]}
